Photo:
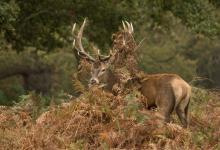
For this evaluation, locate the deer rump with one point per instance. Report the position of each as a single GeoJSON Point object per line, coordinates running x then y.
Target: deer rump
{"type": "Point", "coordinates": [168, 92]}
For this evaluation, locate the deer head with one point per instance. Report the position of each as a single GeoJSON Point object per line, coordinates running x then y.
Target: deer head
{"type": "Point", "coordinates": [100, 72]}
{"type": "Point", "coordinates": [99, 64]}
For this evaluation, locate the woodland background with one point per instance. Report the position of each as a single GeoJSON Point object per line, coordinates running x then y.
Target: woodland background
{"type": "Point", "coordinates": [35, 41]}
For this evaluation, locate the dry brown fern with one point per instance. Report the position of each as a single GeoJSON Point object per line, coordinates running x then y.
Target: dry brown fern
{"type": "Point", "coordinates": [77, 84]}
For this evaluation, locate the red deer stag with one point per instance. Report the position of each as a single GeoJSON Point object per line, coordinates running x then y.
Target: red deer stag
{"type": "Point", "coordinates": [168, 92]}
{"type": "Point", "coordinates": [99, 65]}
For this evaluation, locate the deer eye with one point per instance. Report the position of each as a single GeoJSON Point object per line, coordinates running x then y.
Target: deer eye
{"type": "Point", "coordinates": [103, 70]}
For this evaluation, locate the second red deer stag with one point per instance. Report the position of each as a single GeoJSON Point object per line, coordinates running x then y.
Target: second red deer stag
{"type": "Point", "coordinates": [169, 92]}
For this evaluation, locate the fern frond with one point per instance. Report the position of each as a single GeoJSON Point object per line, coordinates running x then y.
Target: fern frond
{"type": "Point", "coordinates": [77, 84]}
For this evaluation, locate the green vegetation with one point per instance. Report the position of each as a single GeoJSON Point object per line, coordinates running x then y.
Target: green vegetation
{"type": "Point", "coordinates": [179, 37]}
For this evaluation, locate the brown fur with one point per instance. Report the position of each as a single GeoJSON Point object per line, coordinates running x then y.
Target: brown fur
{"type": "Point", "coordinates": [168, 92]}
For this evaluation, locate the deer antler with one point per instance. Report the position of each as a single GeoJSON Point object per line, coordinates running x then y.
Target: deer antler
{"type": "Point", "coordinates": [105, 58]}
{"type": "Point", "coordinates": [77, 42]}
{"type": "Point", "coordinates": [128, 27]}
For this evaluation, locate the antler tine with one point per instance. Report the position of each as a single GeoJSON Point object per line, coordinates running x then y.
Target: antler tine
{"type": "Point", "coordinates": [77, 42]}
{"type": "Point", "coordinates": [73, 29]}
{"type": "Point", "coordinates": [98, 52]}
{"type": "Point", "coordinates": [99, 55]}
{"type": "Point", "coordinates": [79, 36]}
{"type": "Point", "coordinates": [129, 27]}
{"type": "Point", "coordinates": [103, 57]}
{"type": "Point", "coordinates": [124, 26]}
{"type": "Point", "coordinates": [132, 28]}
{"type": "Point", "coordinates": [74, 42]}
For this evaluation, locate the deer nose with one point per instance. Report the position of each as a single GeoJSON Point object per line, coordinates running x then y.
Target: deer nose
{"type": "Point", "coordinates": [93, 81]}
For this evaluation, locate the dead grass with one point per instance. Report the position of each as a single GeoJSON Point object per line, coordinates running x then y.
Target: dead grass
{"type": "Point", "coordinates": [99, 120]}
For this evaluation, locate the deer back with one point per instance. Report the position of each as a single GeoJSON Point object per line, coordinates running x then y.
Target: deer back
{"type": "Point", "coordinates": [155, 87]}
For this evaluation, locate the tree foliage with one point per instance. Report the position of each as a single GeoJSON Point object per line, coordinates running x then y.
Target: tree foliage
{"type": "Point", "coordinates": [179, 36]}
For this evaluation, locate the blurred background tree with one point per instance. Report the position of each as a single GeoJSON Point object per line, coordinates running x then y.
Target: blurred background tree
{"type": "Point", "coordinates": [179, 37]}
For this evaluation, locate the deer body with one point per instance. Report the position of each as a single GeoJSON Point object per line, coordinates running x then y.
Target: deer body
{"type": "Point", "coordinates": [168, 92]}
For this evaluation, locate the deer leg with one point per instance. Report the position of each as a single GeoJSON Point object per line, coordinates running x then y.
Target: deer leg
{"type": "Point", "coordinates": [182, 111]}
{"type": "Point", "coordinates": [165, 108]}
{"type": "Point", "coordinates": [162, 118]}
{"type": "Point", "coordinates": [182, 116]}
{"type": "Point", "coordinates": [186, 113]}
{"type": "Point", "coordinates": [165, 115]}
